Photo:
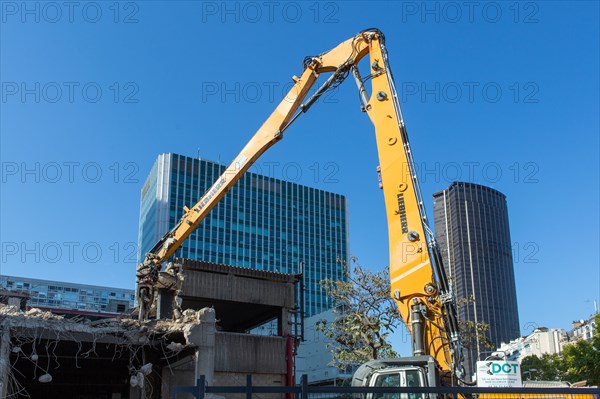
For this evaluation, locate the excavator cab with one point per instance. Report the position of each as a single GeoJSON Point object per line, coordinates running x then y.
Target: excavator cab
{"type": "Point", "coordinates": [399, 377]}
{"type": "Point", "coordinates": [407, 372]}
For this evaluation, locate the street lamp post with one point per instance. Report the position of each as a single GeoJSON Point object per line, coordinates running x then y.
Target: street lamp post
{"type": "Point", "coordinates": [529, 373]}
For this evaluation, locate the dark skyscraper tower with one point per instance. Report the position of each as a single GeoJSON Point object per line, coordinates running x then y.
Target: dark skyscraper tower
{"type": "Point", "coordinates": [471, 224]}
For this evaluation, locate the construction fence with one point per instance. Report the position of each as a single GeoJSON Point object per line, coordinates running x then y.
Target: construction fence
{"type": "Point", "coordinates": [305, 391]}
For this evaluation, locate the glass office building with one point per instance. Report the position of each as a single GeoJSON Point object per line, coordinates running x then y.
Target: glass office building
{"type": "Point", "coordinates": [471, 224]}
{"type": "Point", "coordinates": [70, 296]}
{"type": "Point", "coordinates": [262, 222]}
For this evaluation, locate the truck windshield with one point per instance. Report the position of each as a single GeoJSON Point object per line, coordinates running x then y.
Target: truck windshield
{"type": "Point", "coordinates": [404, 378]}
{"type": "Point", "coordinates": [387, 380]}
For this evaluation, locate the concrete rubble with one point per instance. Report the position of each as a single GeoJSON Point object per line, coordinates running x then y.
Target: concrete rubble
{"type": "Point", "coordinates": [146, 352]}
{"type": "Point", "coordinates": [46, 355]}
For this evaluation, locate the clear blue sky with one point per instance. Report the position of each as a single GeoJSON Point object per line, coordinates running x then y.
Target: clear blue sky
{"type": "Point", "coordinates": [502, 94]}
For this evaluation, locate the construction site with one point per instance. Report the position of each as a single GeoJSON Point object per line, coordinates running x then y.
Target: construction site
{"type": "Point", "coordinates": [230, 262]}
{"type": "Point", "coordinates": [46, 355]}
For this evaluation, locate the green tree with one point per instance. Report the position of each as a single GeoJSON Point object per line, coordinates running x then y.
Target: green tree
{"type": "Point", "coordinates": [549, 367]}
{"type": "Point", "coordinates": [472, 333]}
{"type": "Point", "coordinates": [582, 358]}
{"type": "Point", "coordinates": [530, 367]}
{"type": "Point", "coordinates": [365, 316]}
{"type": "Point", "coordinates": [580, 361]}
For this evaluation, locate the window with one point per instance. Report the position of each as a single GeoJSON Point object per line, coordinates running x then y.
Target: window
{"type": "Point", "coordinates": [407, 377]}
{"type": "Point", "coordinates": [413, 380]}
{"type": "Point", "coordinates": [387, 380]}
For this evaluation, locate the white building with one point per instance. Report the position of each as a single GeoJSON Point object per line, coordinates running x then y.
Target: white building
{"type": "Point", "coordinates": [582, 329]}
{"type": "Point", "coordinates": [540, 342]}
{"type": "Point", "coordinates": [63, 296]}
{"type": "Point", "coordinates": [314, 358]}
{"type": "Point", "coordinates": [547, 340]}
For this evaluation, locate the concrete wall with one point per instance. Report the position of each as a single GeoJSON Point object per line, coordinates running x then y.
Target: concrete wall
{"type": "Point", "coordinates": [235, 287]}
{"type": "Point", "coordinates": [235, 356]}
{"type": "Point", "coordinates": [181, 373]}
{"type": "Point", "coordinates": [250, 354]}
{"type": "Point", "coordinates": [241, 298]}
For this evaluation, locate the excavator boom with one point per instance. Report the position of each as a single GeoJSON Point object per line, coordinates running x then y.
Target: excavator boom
{"type": "Point", "coordinates": [418, 283]}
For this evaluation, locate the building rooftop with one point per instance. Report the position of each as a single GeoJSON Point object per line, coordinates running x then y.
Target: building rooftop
{"type": "Point", "coordinates": [458, 184]}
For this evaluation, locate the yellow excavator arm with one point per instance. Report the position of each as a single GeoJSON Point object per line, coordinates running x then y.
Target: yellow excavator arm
{"type": "Point", "coordinates": [418, 283]}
